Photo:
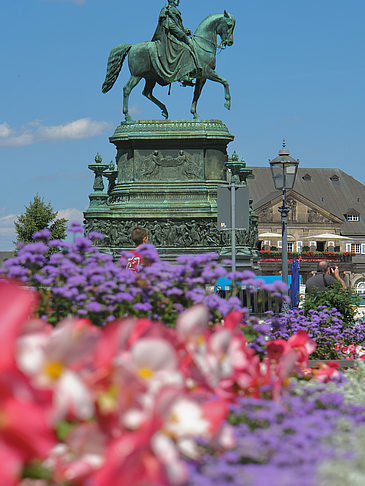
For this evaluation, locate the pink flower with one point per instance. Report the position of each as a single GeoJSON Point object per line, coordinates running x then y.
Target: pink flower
{"type": "Point", "coordinates": [16, 305]}
{"type": "Point", "coordinates": [24, 412]}
{"type": "Point", "coordinates": [192, 323]}
{"type": "Point", "coordinates": [303, 345]}
{"type": "Point", "coordinates": [80, 456]}
{"type": "Point", "coordinates": [131, 460]}
{"type": "Point", "coordinates": [327, 372]}
{"type": "Point", "coordinates": [234, 321]}
{"type": "Point", "coordinates": [11, 465]}
{"type": "Point", "coordinates": [56, 360]}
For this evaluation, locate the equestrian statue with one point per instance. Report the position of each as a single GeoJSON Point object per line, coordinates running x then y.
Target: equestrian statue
{"type": "Point", "coordinates": [173, 54]}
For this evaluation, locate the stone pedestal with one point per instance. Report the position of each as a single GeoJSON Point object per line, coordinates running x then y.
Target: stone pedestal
{"type": "Point", "coordinates": [165, 180]}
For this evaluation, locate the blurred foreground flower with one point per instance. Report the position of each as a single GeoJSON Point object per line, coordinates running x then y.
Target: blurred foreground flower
{"type": "Point", "coordinates": [129, 402]}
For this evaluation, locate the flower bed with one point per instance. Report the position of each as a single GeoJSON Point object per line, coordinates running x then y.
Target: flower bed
{"type": "Point", "coordinates": [101, 402]}
{"type": "Point", "coordinates": [285, 442]}
{"type": "Point", "coordinates": [307, 256]}
{"type": "Point", "coordinates": [148, 378]}
{"type": "Point", "coordinates": [335, 338]}
{"type": "Point", "coordinates": [79, 280]}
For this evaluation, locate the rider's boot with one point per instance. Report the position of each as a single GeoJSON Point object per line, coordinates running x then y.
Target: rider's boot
{"type": "Point", "coordinates": [187, 81]}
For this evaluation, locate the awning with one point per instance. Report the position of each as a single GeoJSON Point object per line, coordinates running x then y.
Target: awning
{"type": "Point", "coordinates": [327, 236]}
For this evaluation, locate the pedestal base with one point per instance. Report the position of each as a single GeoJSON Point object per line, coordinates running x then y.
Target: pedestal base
{"type": "Point", "coordinates": [166, 181]}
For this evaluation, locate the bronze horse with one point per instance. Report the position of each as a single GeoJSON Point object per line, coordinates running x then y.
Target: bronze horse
{"type": "Point", "coordinates": [140, 65]}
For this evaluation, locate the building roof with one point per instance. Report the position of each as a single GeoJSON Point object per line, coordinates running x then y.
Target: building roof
{"type": "Point", "coordinates": [332, 189]}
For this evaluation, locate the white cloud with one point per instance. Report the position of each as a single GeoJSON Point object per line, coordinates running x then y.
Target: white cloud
{"type": "Point", "coordinates": [7, 228]}
{"type": "Point", "coordinates": [71, 214]}
{"type": "Point", "coordinates": [5, 130]}
{"type": "Point", "coordinates": [8, 220]}
{"type": "Point", "coordinates": [7, 232]}
{"type": "Point", "coordinates": [83, 128]}
{"type": "Point", "coordinates": [135, 110]}
{"type": "Point", "coordinates": [35, 132]}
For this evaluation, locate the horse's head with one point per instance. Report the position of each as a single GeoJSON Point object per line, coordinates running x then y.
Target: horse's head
{"type": "Point", "coordinates": [225, 29]}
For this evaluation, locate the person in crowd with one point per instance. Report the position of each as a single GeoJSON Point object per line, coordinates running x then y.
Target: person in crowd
{"type": "Point", "coordinates": [139, 237]}
{"type": "Point", "coordinates": [324, 278]}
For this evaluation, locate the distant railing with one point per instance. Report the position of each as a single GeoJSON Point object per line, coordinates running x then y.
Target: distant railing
{"type": "Point", "coordinates": [258, 303]}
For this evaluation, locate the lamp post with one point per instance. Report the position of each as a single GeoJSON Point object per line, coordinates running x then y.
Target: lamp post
{"type": "Point", "coordinates": [284, 170]}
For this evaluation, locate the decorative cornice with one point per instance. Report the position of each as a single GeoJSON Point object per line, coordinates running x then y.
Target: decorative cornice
{"type": "Point", "coordinates": [172, 129]}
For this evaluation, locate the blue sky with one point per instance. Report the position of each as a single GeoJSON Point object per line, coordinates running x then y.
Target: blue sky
{"type": "Point", "coordinates": [296, 71]}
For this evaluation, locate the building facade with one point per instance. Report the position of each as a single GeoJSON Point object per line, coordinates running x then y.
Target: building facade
{"type": "Point", "coordinates": [326, 220]}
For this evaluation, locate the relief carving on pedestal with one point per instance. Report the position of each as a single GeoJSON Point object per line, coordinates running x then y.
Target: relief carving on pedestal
{"type": "Point", "coordinates": [171, 234]}
{"type": "Point", "coordinates": [152, 165]}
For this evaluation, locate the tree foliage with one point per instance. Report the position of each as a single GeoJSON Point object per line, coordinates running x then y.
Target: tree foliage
{"type": "Point", "coordinates": [37, 216]}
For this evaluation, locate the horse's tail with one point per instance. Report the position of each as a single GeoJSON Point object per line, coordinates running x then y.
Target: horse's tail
{"type": "Point", "coordinates": [115, 63]}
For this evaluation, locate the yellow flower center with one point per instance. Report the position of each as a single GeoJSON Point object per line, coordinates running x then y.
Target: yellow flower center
{"type": "Point", "coordinates": [54, 369]}
{"type": "Point", "coordinates": [145, 373]}
{"type": "Point", "coordinates": [200, 340]}
{"type": "Point", "coordinates": [108, 400]}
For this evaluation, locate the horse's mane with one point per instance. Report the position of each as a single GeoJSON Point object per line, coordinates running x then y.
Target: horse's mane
{"type": "Point", "coordinates": [208, 20]}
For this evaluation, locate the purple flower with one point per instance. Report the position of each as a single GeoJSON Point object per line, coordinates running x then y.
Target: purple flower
{"type": "Point", "coordinates": [95, 235]}
{"type": "Point", "coordinates": [285, 443]}
{"type": "Point", "coordinates": [82, 244]}
{"type": "Point", "coordinates": [42, 235]}
{"type": "Point", "coordinates": [145, 307]}
{"type": "Point", "coordinates": [93, 307]}
{"type": "Point", "coordinates": [76, 227]}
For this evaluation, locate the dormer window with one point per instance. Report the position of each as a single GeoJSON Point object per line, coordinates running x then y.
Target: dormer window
{"type": "Point", "coordinates": [352, 215]}
{"type": "Point", "coordinates": [334, 178]}
{"type": "Point", "coordinates": [307, 178]}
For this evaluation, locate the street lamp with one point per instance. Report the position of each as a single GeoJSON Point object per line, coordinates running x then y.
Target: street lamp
{"type": "Point", "coordinates": [284, 170]}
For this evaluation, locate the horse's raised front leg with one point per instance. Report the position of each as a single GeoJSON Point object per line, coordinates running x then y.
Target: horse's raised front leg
{"type": "Point", "coordinates": [213, 76]}
{"type": "Point", "coordinates": [147, 92]}
{"type": "Point", "coordinates": [197, 92]}
{"type": "Point", "coordinates": [132, 83]}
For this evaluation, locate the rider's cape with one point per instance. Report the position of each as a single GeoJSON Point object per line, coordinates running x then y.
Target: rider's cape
{"type": "Point", "coordinates": [171, 56]}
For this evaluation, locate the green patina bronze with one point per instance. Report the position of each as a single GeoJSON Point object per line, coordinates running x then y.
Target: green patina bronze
{"type": "Point", "coordinates": [174, 54]}
{"type": "Point", "coordinates": [166, 180]}
{"type": "Point", "coordinates": [167, 171]}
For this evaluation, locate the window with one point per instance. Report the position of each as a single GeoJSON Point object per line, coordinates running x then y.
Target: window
{"type": "Point", "coordinates": [299, 246]}
{"type": "Point", "coordinates": [280, 244]}
{"type": "Point", "coordinates": [313, 245]}
{"type": "Point", "coordinates": [331, 244]}
{"type": "Point", "coordinates": [353, 217]}
{"type": "Point", "coordinates": [290, 246]}
{"type": "Point", "coordinates": [355, 247]}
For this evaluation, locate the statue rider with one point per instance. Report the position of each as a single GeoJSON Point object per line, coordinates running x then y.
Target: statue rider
{"type": "Point", "coordinates": [177, 59]}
